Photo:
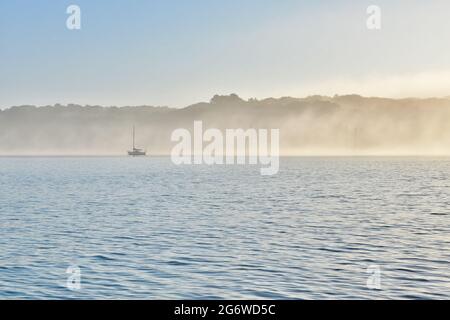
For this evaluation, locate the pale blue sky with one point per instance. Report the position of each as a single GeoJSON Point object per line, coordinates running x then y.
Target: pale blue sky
{"type": "Point", "coordinates": [177, 52]}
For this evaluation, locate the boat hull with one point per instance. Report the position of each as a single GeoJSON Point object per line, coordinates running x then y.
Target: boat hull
{"type": "Point", "coordinates": [136, 153]}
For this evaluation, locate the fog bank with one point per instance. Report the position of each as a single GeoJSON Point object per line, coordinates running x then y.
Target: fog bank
{"type": "Point", "coordinates": [316, 125]}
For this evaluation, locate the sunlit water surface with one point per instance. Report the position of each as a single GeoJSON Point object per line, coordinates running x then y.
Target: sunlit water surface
{"type": "Point", "coordinates": [143, 228]}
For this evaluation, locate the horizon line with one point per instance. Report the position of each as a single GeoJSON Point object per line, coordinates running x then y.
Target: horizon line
{"type": "Point", "coordinates": [251, 99]}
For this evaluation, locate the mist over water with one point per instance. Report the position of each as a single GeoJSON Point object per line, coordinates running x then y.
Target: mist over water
{"type": "Point", "coordinates": [340, 125]}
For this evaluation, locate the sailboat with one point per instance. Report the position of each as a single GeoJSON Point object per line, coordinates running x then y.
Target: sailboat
{"type": "Point", "coordinates": [136, 152]}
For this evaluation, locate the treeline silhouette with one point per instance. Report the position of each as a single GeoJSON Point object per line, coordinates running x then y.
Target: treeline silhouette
{"type": "Point", "coordinates": [315, 125]}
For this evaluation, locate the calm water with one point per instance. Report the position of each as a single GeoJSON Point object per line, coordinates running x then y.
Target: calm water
{"type": "Point", "coordinates": [144, 228]}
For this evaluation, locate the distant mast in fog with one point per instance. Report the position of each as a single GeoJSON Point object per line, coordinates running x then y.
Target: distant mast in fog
{"type": "Point", "coordinates": [135, 152]}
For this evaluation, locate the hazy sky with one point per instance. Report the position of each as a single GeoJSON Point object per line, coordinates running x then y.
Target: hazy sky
{"type": "Point", "coordinates": [174, 53]}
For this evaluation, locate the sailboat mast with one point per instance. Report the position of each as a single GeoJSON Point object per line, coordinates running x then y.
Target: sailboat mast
{"type": "Point", "coordinates": [133, 138]}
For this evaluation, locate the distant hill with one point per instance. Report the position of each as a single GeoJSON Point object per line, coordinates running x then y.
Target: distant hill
{"type": "Point", "coordinates": [316, 125]}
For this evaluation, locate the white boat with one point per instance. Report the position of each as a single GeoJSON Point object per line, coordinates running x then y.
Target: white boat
{"type": "Point", "coordinates": [135, 152]}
